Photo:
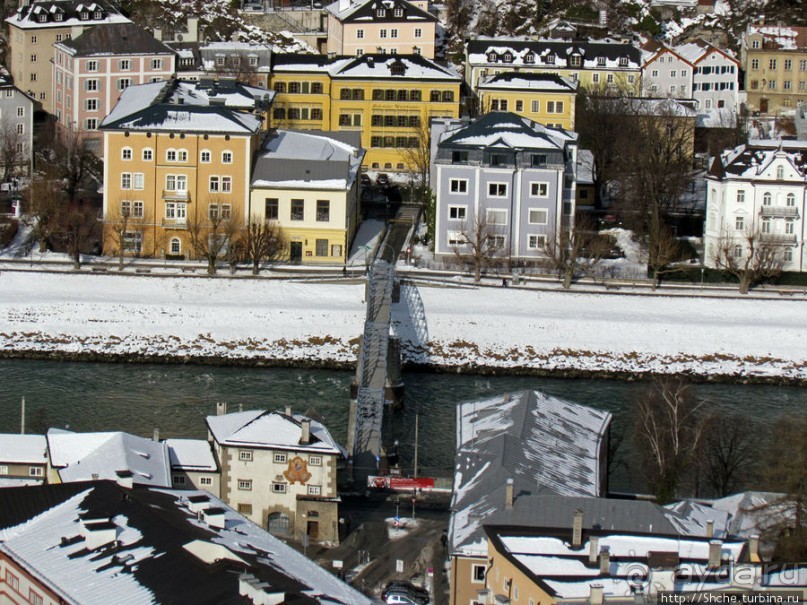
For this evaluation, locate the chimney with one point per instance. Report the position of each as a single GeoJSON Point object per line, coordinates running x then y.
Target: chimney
{"type": "Point", "coordinates": [221, 409]}
{"type": "Point", "coordinates": [508, 493]}
{"type": "Point", "coordinates": [305, 437]}
{"type": "Point", "coordinates": [577, 529]}
{"type": "Point", "coordinates": [595, 597]}
{"type": "Point", "coordinates": [288, 410]}
{"type": "Point", "coordinates": [594, 549]}
{"type": "Point", "coordinates": [370, 62]}
{"type": "Point", "coordinates": [158, 34]}
{"type": "Point", "coordinates": [605, 561]}
{"type": "Point", "coordinates": [193, 30]}
{"type": "Point", "coordinates": [710, 528]}
{"type": "Point", "coordinates": [156, 435]}
{"type": "Point", "coordinates": [125, 478]}
{"type": "Point", "coordinates": [753, 548]}
{"type": "Point", "coordinates": [715, 551]}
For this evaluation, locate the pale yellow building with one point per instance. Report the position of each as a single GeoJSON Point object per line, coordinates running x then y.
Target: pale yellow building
{"type": "Point", "coordinates": [36, 27]}
{"type": "Point", "coordinates": [775, 61]}
{"type": "Point", "coordinates": [307, 184]}
{"type": "Point", "coordinates": [547, 99]}
{"type": "Point", "coordinates": [359, 27]}
{"type": "Point", "coordinates": [279, 470]}
{"type": "Point", "coordinates": [178, 156]}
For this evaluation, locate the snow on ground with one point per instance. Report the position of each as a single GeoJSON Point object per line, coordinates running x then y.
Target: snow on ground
{"type": "Point", "coordinates": [486, 327]}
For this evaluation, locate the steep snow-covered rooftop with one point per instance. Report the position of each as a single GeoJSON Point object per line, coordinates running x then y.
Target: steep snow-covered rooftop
{"type": "Point", "coordinates": [23, 449]}
{"type": "Point", "coordinates": [191, 455]}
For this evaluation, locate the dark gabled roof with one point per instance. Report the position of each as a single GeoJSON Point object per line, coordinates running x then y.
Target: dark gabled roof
{"type": "Point", "coordinates": [530, 77]}
{"type": "Point", "coordinates": [506, 130]}
{"type": "Point", "coordinates": [377, 65]}
{"type": "Point", "coordinates": [19, 504]}
{"type": "Point", "coordinates": [365, 12]}
{"type": "Point", "coordinates": [295, 59]}
{"type": "Point", "coordinates": [747, 161]}
{"type": "Point", "coordinates": [716, 170]}
{"type": "Point", "coordinates": [70, 11]}
{"type": "Point", "coordinates": [116, 39]}
{"type": "Point", "coordinates": [588, 50]}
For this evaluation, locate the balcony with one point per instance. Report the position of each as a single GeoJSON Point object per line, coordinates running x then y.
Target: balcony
{"type": "Point", "coordinates": [178, 196]}
{"type": "Point", "coordinates": [175, 223]}
{"type": "Point", "coordinates": [779, 211]}
{"type": "Point", "coordinates": [779, 239]}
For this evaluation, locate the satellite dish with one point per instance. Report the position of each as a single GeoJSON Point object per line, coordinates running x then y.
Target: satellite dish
{"type": "Point", "coordinates": [180, 38]}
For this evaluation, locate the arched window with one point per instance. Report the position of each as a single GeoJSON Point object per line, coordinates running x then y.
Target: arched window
{"type": "Point", "coordinates": [126, 153]}
{"type": "Point", "coordinates": [780, 173]}
{"type": "Point", "coordinates": [791, 199]}
{"type": "Point", "coordinates": [205, 156]}
{"type": "Point", "coordinates": [175, 246]}
{"type": "Point", "coordinates": [766, 199]}
{"type": "Point", "coordinates": [738, 251]}
{"type": "Point", "coordinates": [278, 523]}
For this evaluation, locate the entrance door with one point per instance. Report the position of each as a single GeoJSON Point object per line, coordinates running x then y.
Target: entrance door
{"type": "Point", "coordinates": [763, 106]}
{"type": "Point", "coordinates": [296, 252]}
{"type": "Point", "coordinates": [313, 530]}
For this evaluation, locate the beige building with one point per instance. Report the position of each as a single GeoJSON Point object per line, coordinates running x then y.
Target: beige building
{"type": "Point", "coordinates": [279, 470]}
{"type": "Point", "coordinates": [33, 31]}
{"type": "Point", "coordinates": [193, 465]}
{"type": "Point", "coordinates": [775, 60]}
{"type": "Point", "coordinates": [359, 27]}
{"type": "Point", "coordinates": [23, 459]}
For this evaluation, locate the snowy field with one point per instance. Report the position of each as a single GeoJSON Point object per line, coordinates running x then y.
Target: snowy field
{"type": "Point", "coordinates": [487, 327]}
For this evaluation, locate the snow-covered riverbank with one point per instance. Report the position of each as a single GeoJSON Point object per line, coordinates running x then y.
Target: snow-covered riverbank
{"type": "Point", "coordinates": [492, 329]}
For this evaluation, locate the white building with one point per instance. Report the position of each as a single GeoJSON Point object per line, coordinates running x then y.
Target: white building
{"type": "Point", "coordinates": [759, 188]}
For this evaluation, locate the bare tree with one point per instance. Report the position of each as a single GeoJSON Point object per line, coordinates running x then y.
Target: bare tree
{"type": "Point", "coordinates": [262, 241]}
{"type": "Point", "coordinates": [729, 453]}
{"type": "Point", "coordinates": [75, 163]}
{"type": "Point", "coordinates": [417, 155]}
{"type": "Point", "coordinates": [12, 150]}
{"type": "Point", "coordinates": [669, 427]}
{"type": "Point", "coordinates": [44, 203]}
{"type": "Point", "coordinates": [752, 258]}
{"type": "Point", "coordinates": [662, 249]}
{"type": "Point", "coordinates": [575, 249]}
{"type": "Point", "coordinates": [213, 235]}
{"type": "Point", "coordinates": [125, 226]}
{"type": "Point", "coordinates": [78, 230]}
{"type": "Point", "coordinates": [480, 247]}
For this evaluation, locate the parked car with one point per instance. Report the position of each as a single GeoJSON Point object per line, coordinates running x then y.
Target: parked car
{"type": "Point", "coordinates": [402, 598]}
{"type": "Point", "coordinates": [365, 180]}
{"type": "Point", "coordinates": [382, 180]}
{"type": "Point", "coordinates": [403, 587]}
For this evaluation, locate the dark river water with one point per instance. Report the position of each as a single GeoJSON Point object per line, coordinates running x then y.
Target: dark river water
{"type": "Point", "coordinates": [137, 398]}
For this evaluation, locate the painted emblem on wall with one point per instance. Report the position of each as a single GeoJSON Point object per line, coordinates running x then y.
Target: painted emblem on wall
{"type": "Point", "coordinates": [297, 471]}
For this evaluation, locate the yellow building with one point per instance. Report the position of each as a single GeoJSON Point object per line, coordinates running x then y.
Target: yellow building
{"type": "Point", "coordinates": [775, 61]}
{"type": "Point", "coordinates": [547, 99]}
{"type": "Point", "coordinates": [35, 28]}
{"type": "Point", "coordinates": [388, 98]}
{"type": "Point", "coordinates": [307, 184]}
{"type": "Point", "coordinates": [178, 158]}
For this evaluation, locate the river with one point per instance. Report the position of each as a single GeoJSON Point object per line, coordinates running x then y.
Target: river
{"type": "Point", "coordinates": [139, 397]}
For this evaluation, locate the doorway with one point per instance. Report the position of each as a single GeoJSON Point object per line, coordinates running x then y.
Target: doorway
{"type": "Point", "coordinates": [313, 530]}
{"type": "Point", "coordinates": [296, 252]}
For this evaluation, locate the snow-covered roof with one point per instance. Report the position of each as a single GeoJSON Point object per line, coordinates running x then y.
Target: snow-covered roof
{"type": "Point", "coordinates": [271, 430]}
{"type": "Point", "coordinates": [752, 160]}
{"type": "Point", "coordinates": [149, 547]}
{"type": "Point", "coordinates": [23, 449]}
{"type": "Point", "coordinates": [85, 456]}
{"type": "Point", "coordinates": [585, 167]}
{"type": "Point", "coordinates": [507, 130]}
{"type": "Point", "coordinates": [546, 445]}
{"type": "Point", "coordinates": [416, 67]}
{"type": "Point", "coordinates": [554, 54]}
{"type": "Point", "coordinates": [309, 160]}
{"type": "Point", "coordinates": [30, 17]}
{"type": "Point", "coordinates": [191, 455]}
{"type": "Point", "coordinates": [783, 38]}
{"type": "Point", "coordinates": [362, 11]}
{"type": "Point", "coordinates": [534, 82]}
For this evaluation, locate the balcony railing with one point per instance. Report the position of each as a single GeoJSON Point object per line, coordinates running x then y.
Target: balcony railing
{"type": "Point", "coordinates": [779, 239]}
{"type": "Point", "coordinates": [181, 196]}
{"type": "Point", "coordinates": [779, 211]}
{"type": "Point", "coordinates": [175, 223]}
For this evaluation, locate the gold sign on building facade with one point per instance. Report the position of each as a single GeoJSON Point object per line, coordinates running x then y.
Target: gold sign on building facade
{"type": "Point", "coordinates": [297, 471]}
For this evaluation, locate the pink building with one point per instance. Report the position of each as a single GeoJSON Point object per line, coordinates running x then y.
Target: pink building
{"type": "Point", "coordinates": [92, 70]}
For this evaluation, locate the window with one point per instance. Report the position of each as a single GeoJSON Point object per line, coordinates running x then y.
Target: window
{"type": "Point", "coordinates": [323, 211]}
{"type": "Point", "coordinates": [34, 598]}
{"type": "Point", "coordinates": [740, 196]}
{"type": "Point", "coordinates": [314, 490]}
{"type": "Point", "coordinates": [205, 480]}
{"type": "Point", "coordinates": [171, 155]}
{"type": "Point", "coordinates": [156, 64]}
{"type": "Point", "coordinates": [35, 471]}
{"type": "Point", "coordinates": [336, 250]}
{"type": "Point", "coordinates": [766, 199]}
{"type": "Point", "coordinates": [226, 157]}
{"type": "Point", "coordinates": [126, 153]}
{"type": "Point", "coordinates": [539, 189]}
{"type": "Point", "coordinates": [297, 212]}
{"type": "Point", "coordinates": [226, 184]}
{"type": "Point", "coordinates": [538, 217]}
{"type": "Point", "coordinates": [458, 185]}
{"type": "Point", "coordinates": [791, 199]}
{"type": "Point", "coordinates": [33, 77]}
{"type": "Point", "coordinates": [393, 33]}
{"type": "Point", "coordinates": [148, 155]}
{"type": "Point", "coordinates": [33, 58]}
{"type": "Point", "coordinates": [245, 455]}
{"type": "Point", "coordinates": [738, 251]}
{"type": "Point", "coordinates": [418, 32]}
{"type": "Point", "coordinates": [3, 469]}
{"type": "Point", "coordinates": [457, 213]}
{"type": "Point", "coordinates": [673, 73]}
{"type": "Point", "coordinates": [175, 246]}
{"type": "Point", "coordinates": [576, 61]}
{"type": "Point", "coordinates": [179, 480]}
{"type": "Point", "coordinates": [739, 223]}
{"type": "Point", "coordinates": [360, 34]}
{"type": "Point", "coordinates": [139, 180]}
{"type": "Point", "coordinates": [176, 211]}
{"type": "Point", "coordinates": [125, 65]}
{"type": "Point", "coordinates": [315, 460]}
{"type": "Point", "coordinates": [477, 573]}
{"type": "Point", "coordinates": [519, 106]}
{"type": "Point", "coordinates": [766, 225]}
{"type": "Point", "coordinates": [204, 157]}
{"type": "Point", "coordinates": [279, 458]}
{"type": "Point", "coordinates": [496, 217]}
{"type": "Point", "coordinates": [245, 485]}
{"type": "Point", "coordinates": [497, 189]}
{"type": "Point", "coordinates": [271, 209]}
{"type": "Point", "coordinates": [12, 580]}
{"type": "Point", "coordinates": [245, 509]}
{"type": "Point", "coordinates": [279, 488]}
{"type": "Point", "coordinates": [91, 85]}
{"type": "Point", "coordinates": [382, 33]}
{"type": "Point", "coordinates": [398, 12]}
{"type": "Point", "coordinates": [609, 78]}
{"type": "Point", "coordinates": [321, 247]}
{"type": "Point", "coordinates": [536, 242]}
{"type": "Point", "coordinates": [381, 13]}
{"type": "Point", "coordinates": [498, 105]}
{"type": "Point", "coordinates": [214, 184]}
{"type": "Point", "coordinates": [554, 107]}
{"type": "Point", "coordinates": [137, 209]}
{"type": "Point", "coordinates": [595, 78]}
{"type": "Point", "coordinates": [91, 105]}
{"type": "Point", "coordinates": [123, 83]}
{"type": "Point", "coordinates": [788, 255]}
{"type": "Point", "coordinates": [34, 39]}
{"type": "Point", "coordinates": [790, 227]}
{"type": "Point", "coordinates": [126, 180]}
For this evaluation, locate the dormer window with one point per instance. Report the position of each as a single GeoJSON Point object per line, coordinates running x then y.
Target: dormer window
{"type": "Point", "coordinates": [397, 69]}
{"type": "Point", "coordinates": [600, 61]}
{"type": "Point", "coordinates": [492, 57]}
{"type": "Point", "coordinates": [42, 18]}
{"type": "Point", "coordinates": [84, 16]}
{"type": "Point", "coordinates": [381, 12]}
{"type": "Point", "coordinates": [508, 57]}
{"type": "Point", "coordinates": [529, 58]}
{"type": "Point", "coordinates": [576, 60]}
{"type": "Point", "coordinates": [623, 61]}
{"type": "Point", "coordinates": [398, 12]}
{"type": "Point", "coordinates": [550, 59]}
{"type": "Point", "coordinates": [58, 17]}
{"type": "Point", "coordinates": [97, 15]}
